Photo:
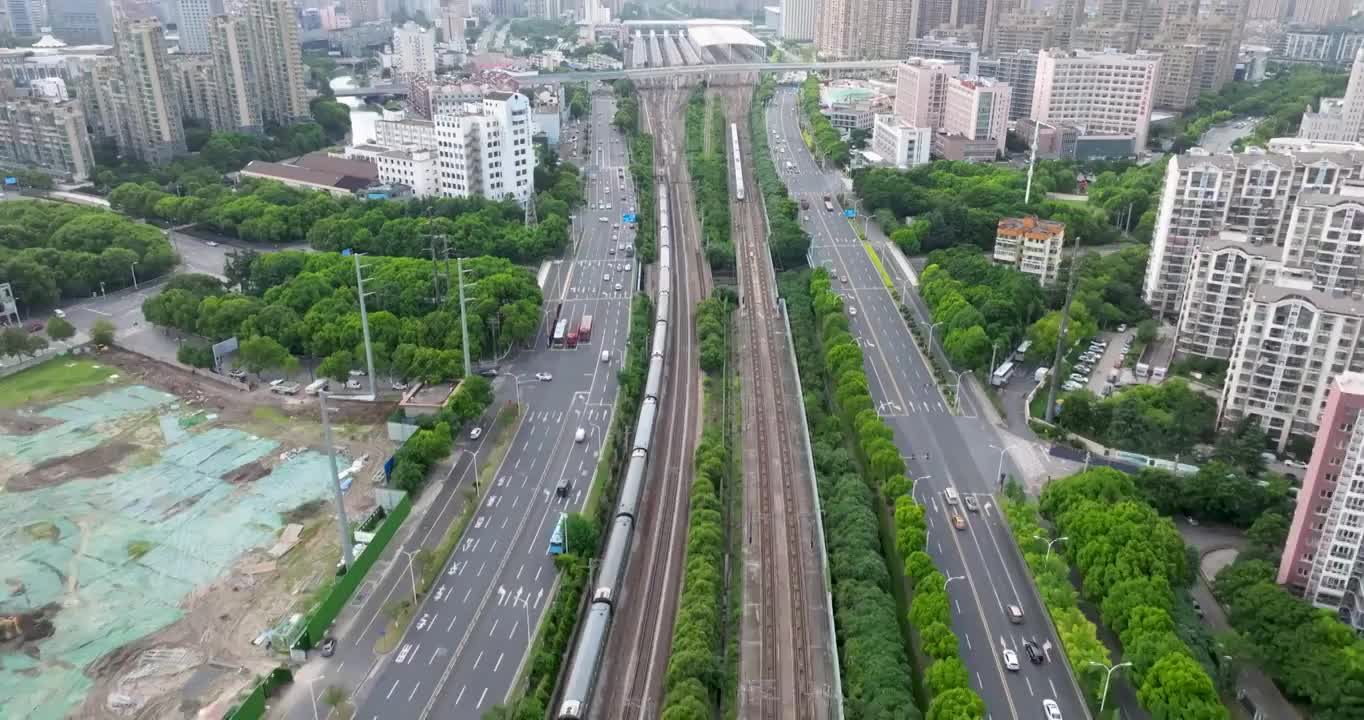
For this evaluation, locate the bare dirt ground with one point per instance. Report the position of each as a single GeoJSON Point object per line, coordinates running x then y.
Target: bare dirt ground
{"type": "Point", "coordinates": [208, 654]}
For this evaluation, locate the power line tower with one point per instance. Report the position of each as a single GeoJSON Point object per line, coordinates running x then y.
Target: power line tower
{"type": "Point", "coordinates": [439, 245]}
{"type": "Point", "coordinates": [364, 326]}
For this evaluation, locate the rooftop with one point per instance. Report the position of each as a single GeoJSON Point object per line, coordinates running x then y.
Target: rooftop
{"type": "Point", "coordinates": [1032, 226]}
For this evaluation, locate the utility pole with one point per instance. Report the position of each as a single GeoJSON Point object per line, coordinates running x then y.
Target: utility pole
{"type": "Point", "coordinates": [1036, 130]}
{"type": "Point", "coordinates": [463, 318]}
{"type": "Point", "coordinates": [364, 326]}
{"type": "Point", "coordinates": [342, 525]}
{"type": "Point", "coordinates": [1061, 333]}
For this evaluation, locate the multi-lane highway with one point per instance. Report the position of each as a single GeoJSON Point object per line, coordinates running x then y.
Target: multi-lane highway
{"type": "Point", "coordinates": [943, 449]}
{"type": "Point", "coordinates": [467, 640]}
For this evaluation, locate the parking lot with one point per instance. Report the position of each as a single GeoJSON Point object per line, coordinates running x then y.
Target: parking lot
{"type": "Point", "coordinates": [1097, 365]}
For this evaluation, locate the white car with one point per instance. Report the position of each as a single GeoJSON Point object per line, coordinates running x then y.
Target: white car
{"type": "Point", "coordinates": [1052, 710]}
{"type": "Point", "coordinates": [543, 376]}
{"type": "Point", "coordinates": [1010, 660]}
{"type": "Point", "coordinates": [618, 287]}
{"type": "Point", "coordinates": [603, 218]}
{"type": "Point", "coordinates": [476, 433]}
{"type": "Point", "coordinates": [210, 243]}
{"type": "Point", "coordinates": [352, 384]}
{"type": "Point", "coordinates": [627, 267]}
{"type": "Point", "coordinates": [59, 313]}
{"type": "Point", "coordinates": [852, 311]}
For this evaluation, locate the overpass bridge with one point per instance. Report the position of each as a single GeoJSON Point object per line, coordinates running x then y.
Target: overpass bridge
{"type": "Point", "coordinates": [576, 76]}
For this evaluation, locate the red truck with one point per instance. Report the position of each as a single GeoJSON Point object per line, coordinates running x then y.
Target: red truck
{"type": "Point", "coordinates": [571, 339]}
{"type": "Point", "coordinates": [585, 330]}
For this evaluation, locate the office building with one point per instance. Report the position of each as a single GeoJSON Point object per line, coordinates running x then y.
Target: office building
{"type": "Point", "coordinates": [1069, 14]}
{"type": "Point", "coordinates": [1322, 557]}
{"type": "Point", "coordinates": [82, 22]}
{"type": "Point", "coordinates": [24, 19]}
{"type": "Point", "coordinates": [798, 19]}
{"type": "Point", "coordinates": [978, 110]}
{"type": "Point", "coordinates": [414, 51]}
{"type": "Point", "coordinates": [1339, 119]}
{"type": "Point", "coordinates": [921, 90]}
{"type": "Point", "coordinates": [1106, 93]}
{"type": "Point", "coordinates": [1019, 70]}
{"type": "Point", "coordinates": [36, 133]}
{"type": "Point", "coordinates": [964, 55]}
{"type": "Point", "coordinates": [485, 150]}
{"type": "Point", "coordinates": [153, 132]}
{"type": "Point", "coordinates": [1031, 245]}
{"type": "Point", "coordinates": [900, 144]}
{"type": "Point", "coordinates": [194, 24]}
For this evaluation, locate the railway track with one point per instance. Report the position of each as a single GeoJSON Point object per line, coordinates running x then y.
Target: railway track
{"type": "Point", "coordinates": [631, 680]}
{"type": "Point", "coordinates": [785, 681]}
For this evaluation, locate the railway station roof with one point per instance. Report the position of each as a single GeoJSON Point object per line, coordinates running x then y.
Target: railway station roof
{"type": "Point", "coordinates": [712, 35]}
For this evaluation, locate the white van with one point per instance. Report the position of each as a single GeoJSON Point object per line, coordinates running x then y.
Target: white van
{"type": "Point", "coordinates": [950, 495]}
{"type": "Point", "coordinates": [580, 436]}
{"type": "Point", "coordinates": [606, 356]}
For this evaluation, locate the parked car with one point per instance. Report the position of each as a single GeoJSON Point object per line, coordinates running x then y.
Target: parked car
{"type": "Point", "coordinates": [543, 376]}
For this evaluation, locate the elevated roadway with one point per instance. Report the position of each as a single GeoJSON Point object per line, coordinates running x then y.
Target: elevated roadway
{"type": "Point", "coordinates": [651, 72]}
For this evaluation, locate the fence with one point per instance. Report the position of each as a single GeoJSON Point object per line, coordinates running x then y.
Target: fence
{"type": "Point", "coordinates": [253, 706]}
{"type": "Point", "coordinates": [336, 598]}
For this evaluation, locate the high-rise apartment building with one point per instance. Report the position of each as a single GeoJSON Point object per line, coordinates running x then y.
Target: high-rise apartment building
{"type": "Point", "coordinates": [1320, 12]}
{"type": "Point", "coordinates": [964, 54]}
{"type": "Point", "coordinates": [49, 136]}
{"type": "Point", "coordinates": [837, 29]}
{"type": "Point", "coordinates": [24, 20]}
{"type": "Point", "coordinates": [1233, 205]}
{"type": "Point", "coordinates": [195, 26]}
{"type": "Point", "coordinates": [921, 90]}
{"type": "Point", "coordinates": [1019, 31]}
{"type": "Point", "coordinates": [237, 77]}
{"type": "Point", "coordinates": [799, 18]}
{"type": "Point", "coordinates": [1105, 93]}
{"type": "Point", "coordinates": [82, 22]}
{"type": "Point", "coordinates": [1070, 14]}
{"type": "Point", "coordinates": [486, 150]}
{"type": "Point", "coordinates": [201, 95]}
{"type": "Point", "coordinates": [279, 55]}
{"type": "Point", "coordinates": [414, 51]}
{"type": "Point", "coordinates": [1031, 245]}
{"type": "Point", "coordinates": [1267, 9]}
{"type": "Point", "coordinates": [154, 132]}
{"type": "Point", "coordinates": [1324, 556]}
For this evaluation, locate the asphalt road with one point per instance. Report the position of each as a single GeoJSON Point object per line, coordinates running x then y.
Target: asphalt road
{"type": "Point", "coordinates": [942, 450]}
{"type": "Point", "coordinates": [466, 644]}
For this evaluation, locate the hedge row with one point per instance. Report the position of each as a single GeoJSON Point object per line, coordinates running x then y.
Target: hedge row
{"type": "Point", "coordinates": [432, 442]}
{"type": "Point", "coordinates": [946, 677]}
{"type": "Point", "coordinates": [876, 667]}
{"type": "Point", "coordinates": [826, 139]}
{"type": "Point", "coordinates": [695, 674]}
{"type": "Point", "coordinates": [710, 177]}
{"type": "Point", "coordinates": [1131, 560]}
{"type": "Point", "coordinates": [641, 167]}
{"type": "Point", "coordinates": [549, 651]}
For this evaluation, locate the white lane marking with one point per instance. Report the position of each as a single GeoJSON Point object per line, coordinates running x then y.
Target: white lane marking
{"type": "Point", "coordinates": [390, 690]}
{"type": "Point", "coordinates": [414, 692]}
{"type": "Point", "coordinates": [458, 697]}
{"type": "Point", "coordinates": [493, 629]}
{"type": "Point", "coordinates": [480, 698]}
{"type": "Point", "coordinates": [452, 623]}
{"type": "Point", "coordinates": [498, 664]}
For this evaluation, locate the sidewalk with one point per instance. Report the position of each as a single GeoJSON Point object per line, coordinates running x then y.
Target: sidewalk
{"type": "Point", "coordinates": [362, 624]}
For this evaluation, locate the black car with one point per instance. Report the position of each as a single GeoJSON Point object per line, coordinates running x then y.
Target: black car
{"type": "Point", "coordinates": [328, 647]}
{"type": "Point", "coordinates": [1034, 653]}
{"type": "Point", "coordinates": [489, 373]}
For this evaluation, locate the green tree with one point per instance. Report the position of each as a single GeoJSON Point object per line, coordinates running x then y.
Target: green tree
{"type": "Point", "coordinates": [59, 329]}
{"type": "Point", "coordinates": [1177, 688]}
{"type": "Point", "coordinates": [938, 641]}
{"type": "Point", "coordinates": [957, 704]}
{"type": "Point", "coordinates": [195, 355]}
{"type": "Point", "coordinates": [337, 366]}
{"type": "Point", "coordinates": [946, 674]}
{"type": "Point", "coordinates": [259, 354]}
{"type": "Point", "coordinates": [102, 332]}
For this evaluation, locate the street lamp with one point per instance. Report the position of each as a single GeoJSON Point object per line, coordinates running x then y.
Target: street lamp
{"type": "Point", "coordinates": [1049, 544]}
{"type": "Point", "coordinates": [999, 471]}
{"type": "Point", "coordinates": [1104, 697]}
{"type": "Point", "coordinates": [412, 573]}
{"type": "Point", "coordinates": [949, 580]}
{"type": "Point", "coordinates": [931, 328]}
{"type": "Point", "coordinates": [133, 268]}
{"type": "Point", "coordinates": [959, 374]}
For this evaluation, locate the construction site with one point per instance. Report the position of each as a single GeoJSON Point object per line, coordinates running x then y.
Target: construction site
{"type": "Point", "coordinates": [161, 532]}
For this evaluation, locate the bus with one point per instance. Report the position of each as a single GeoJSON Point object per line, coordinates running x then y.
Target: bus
{"type": "Point", "coordinates": [559, 538]}
{"type": "Point", "coordinates": [1022, 350]}
{"type": "Point", "coordinates": [585, 329]}
{"type": "Point", "coordinates": [561, 327]}
{"type": "Point", "coordinates": [1002, 374]}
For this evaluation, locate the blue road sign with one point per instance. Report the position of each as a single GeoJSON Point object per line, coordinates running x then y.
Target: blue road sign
{"type": "Point", "coordinates": [627, 217]}
{"type": "Point", "coordinates": [849, 213]}
{"type": "Point", "coordinates": [11, 180]}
